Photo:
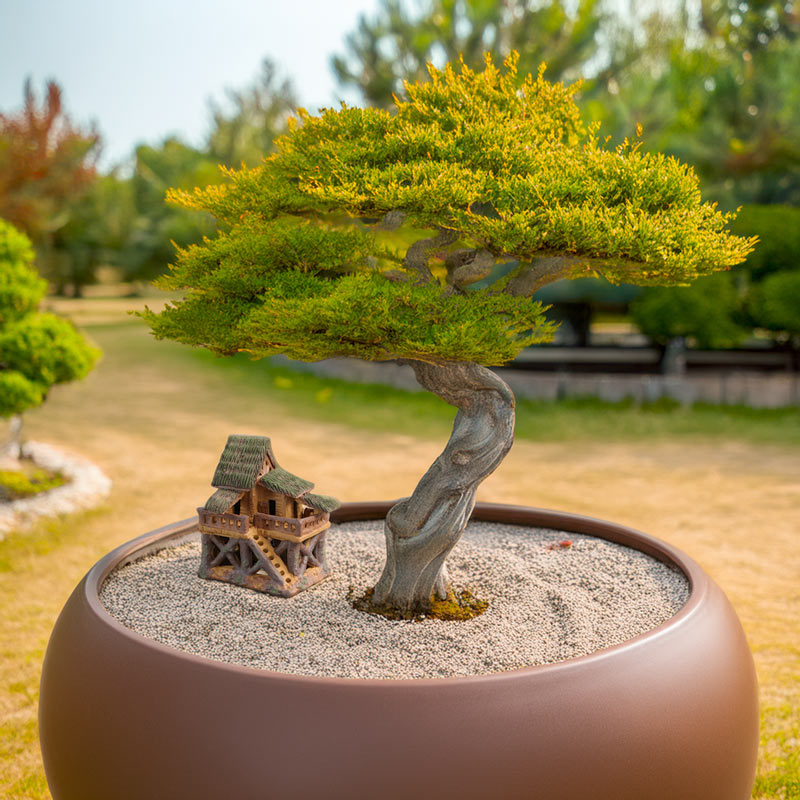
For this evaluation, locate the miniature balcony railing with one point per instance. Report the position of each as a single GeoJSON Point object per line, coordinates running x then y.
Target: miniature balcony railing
{"type": "Point", "coordinates": [289, 526]}
{"type": "Point", "coordinates": [230, 523]}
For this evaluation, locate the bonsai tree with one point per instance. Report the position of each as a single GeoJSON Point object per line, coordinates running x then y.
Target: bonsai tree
{"type": "Point", "coordinates": [494, 187]}
{"type": "Point", "coordinates": [37, 350]}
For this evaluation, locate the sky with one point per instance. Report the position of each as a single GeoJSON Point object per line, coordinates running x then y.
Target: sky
{"type": "Point", "coordinates": [146, 69]}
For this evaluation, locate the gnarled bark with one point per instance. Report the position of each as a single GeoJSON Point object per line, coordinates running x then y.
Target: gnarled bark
{"type": "Point", "coordinates": [422, 529]}
{"type": "Point", "coordinates": [419, 253]}
{"type": "Point", "coordinates": [540, 272]}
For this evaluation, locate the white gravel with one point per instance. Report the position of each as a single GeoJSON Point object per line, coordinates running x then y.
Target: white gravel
{"type": "Point", "coordinates": [545, 605]}
{"type": "Point", "coordinates": [87, 486]}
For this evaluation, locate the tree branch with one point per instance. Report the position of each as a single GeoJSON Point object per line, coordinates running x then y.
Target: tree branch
{"type": "Point", "coordinates": [468, 266]}
{"type": "Point", "coordinates": [392, 220]}
{"type": "Point", "coordinates": [541, 272]}
{"type": "Point", "coordinates": [396, 276]}
{"type": "Point", "coordinates": [420, 252]}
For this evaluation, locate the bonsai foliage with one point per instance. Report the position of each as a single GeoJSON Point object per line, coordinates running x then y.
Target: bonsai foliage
{"type": "Point", "coordinates": [421, 235]}
{"type": "Point", "coordinates": [37, 350]}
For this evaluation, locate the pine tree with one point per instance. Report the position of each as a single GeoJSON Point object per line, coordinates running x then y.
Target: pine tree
{"type": "Point", "coordinates": [244, 128]}
{"type": "Point", "coordinates": [500, 189]}
{"type": "Point", "coordinates": [398, 42]}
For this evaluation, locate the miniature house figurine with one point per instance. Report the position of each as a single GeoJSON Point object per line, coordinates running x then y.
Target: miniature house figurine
{"type": "Point", "coordinates": [263, 528]}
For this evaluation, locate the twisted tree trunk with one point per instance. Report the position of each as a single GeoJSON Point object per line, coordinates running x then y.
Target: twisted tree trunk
{"type": "Point", "coordinates": [422, 529]}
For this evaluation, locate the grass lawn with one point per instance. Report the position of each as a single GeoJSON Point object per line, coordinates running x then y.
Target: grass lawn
{"type": "Point", "coordinates": [722, 485]}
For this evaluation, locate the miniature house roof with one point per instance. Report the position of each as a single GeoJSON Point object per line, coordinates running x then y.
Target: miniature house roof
{"type": "Point", "coordinates": [222, 500]}
{"type": "Point", "coordinates": [242, 461]}
{"type": "Point", "coordinates": [249, 459]}
{"type": "Point", "coordinates": [322, 502]}
{"type": "Point", "coordinates": [283, 482]}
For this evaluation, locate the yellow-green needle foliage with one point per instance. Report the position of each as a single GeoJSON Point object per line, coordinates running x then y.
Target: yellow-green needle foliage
{"type": "Point", "coordinates": [503, 187]}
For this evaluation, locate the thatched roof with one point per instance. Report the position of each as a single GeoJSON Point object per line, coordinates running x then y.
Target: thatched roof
{"type": "Point", "coordinates": [322, 502]}
{"type": "Point", "coordinates": [283, 482]}
{"type": "Point", "coordinates": [242, 461]}
{"type": "Point", "coordinates": [222, 500]}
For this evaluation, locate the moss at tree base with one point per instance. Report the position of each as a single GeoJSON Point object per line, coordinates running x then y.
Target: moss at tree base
{"type": "Point", "coordinates": [459, 605]}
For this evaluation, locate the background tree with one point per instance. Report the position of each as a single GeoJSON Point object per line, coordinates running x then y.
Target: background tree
{"type": "Point", "coordinates": [153, 226]}
{"type": "Point", "coordinates": [255, 117]}
{"type": "Point", "coordinates": [96, 235]}
{"type": "Point", "coordinates": [721, 310]}
{"type": "Point", "coordinates": [717, 88]}
{"type": "Point", "coordinates": [778, 231]}
{"type": "Point", "coordinates": [506, 190]}
{"type": "Point", "coordinates": [241, 134]}
{"type": "Point", "coordinates": [715, 84]}
{"type": "Point", "coordinates": [773, 299]}
{"type": "Point", "coordinates": [397, 44]}
{"type": "Point", "coordinates": [47, 165]}
{"type": "Point", "coordinates": [709, 313]}
{"type": "Point", "coordinates": [37, 350]}
{"type": "Point", "coordinates": [775, 305]}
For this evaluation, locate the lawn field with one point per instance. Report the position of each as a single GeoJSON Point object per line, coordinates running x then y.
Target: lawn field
{"type": "Point", "coordinates": [722, 485]}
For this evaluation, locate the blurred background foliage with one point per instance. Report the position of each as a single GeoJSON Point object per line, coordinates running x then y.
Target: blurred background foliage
{"type": "Point", "coordinates": [715, 83]}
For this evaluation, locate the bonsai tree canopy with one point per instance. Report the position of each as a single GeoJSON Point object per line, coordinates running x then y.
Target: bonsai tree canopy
{"type": "Point", "coordinates": [421, 236]}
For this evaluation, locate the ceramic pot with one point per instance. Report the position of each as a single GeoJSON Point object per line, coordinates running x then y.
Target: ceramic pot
{"type": "Point", "coordinates": [669, 715]}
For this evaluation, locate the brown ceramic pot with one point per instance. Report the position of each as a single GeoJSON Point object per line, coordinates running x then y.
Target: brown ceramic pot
{"type": "Point", "coordinates": [669, 715]}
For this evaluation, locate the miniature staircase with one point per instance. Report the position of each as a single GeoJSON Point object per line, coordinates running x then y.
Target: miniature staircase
{"type": "Point", "coordinates": [269, 553]}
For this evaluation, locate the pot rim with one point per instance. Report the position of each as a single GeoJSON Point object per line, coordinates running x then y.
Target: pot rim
{"type": "Point", "coordinates": [530, 516]}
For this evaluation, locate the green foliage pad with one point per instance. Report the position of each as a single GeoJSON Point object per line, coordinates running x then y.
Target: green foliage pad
{"type": "Point", "coordinates": [495, 169]}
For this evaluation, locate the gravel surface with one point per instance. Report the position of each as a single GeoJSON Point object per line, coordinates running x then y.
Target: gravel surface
{"type": "Point", "coordinates": [546, 604]}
